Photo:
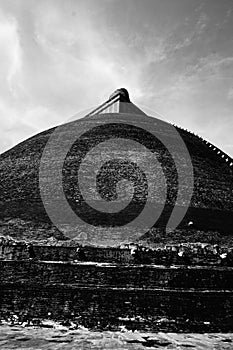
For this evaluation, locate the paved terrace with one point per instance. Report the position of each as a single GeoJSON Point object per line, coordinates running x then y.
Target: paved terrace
{"type": "Point", "coordinates": [62, 338]}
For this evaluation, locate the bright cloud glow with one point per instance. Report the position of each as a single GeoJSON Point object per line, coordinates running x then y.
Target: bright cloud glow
{"type": "Point", "coordinates": [59, 57]}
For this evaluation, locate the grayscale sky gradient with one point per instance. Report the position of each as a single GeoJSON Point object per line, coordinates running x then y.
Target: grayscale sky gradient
{"type": "Point", "coordinates": [59, 57]}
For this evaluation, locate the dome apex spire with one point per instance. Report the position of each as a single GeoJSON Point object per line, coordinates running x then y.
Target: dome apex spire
{"type": "Point", "coordinates": [123, 94]}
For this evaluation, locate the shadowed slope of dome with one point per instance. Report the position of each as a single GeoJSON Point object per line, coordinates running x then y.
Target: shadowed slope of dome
{"type": "Point", "coordinates": [22, 213]}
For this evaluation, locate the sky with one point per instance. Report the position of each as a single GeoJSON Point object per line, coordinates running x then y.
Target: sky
{"type": "Point", "coordinates": [61, 57]}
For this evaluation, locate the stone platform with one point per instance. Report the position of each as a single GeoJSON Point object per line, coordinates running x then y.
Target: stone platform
{"type": "Point", "coordinates": [41, 338]}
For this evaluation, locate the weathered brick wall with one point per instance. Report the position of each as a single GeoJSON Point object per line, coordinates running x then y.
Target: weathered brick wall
{"type": "Point", "coordinates": [18, 251]}
{"type": "Point", "coordinates": [97, 295]}
{"type": "Point", "coordinates": [86, 274]}
{"type": "Point", "coordinates": [199, 254]}
{"type": "Point", "coordinates": [104, 308]}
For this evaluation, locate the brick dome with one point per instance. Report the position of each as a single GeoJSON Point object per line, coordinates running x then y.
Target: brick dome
{"type": "Point", "coordinates": [22, 211]}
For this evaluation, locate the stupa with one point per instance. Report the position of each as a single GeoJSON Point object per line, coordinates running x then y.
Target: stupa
{"type": "Point", "coordinates": [87, 201]}
{"type": "Point", "coordinates": [24, 214]}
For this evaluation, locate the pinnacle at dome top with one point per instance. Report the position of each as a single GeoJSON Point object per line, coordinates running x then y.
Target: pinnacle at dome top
{"type": "Point", "coordinates": [118, 102]}
{"type": "Point", "coordinates": [122, 93]}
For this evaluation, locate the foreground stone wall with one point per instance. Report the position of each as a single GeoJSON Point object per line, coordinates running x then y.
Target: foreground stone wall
{"type": "Point", "coordinates": [182, 254]}
{"type": "Point", "coordinates": [108, 296]}
{"type": "Point", "coordinates": [100, 275]}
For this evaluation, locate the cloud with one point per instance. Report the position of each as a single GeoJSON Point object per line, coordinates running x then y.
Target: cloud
{"type": "Point", "coordinates": [198, 98]}
{"type": "Point", "coordinates": [46, 72]}
{"type": "Point", "coordinates": [10, 53]}
{"type": "Point", "coordinates": [60, 57]}
{"type": "Point", "coordinates": [197, 31]}
{"type": "Point", "coordinates": [230, 94]}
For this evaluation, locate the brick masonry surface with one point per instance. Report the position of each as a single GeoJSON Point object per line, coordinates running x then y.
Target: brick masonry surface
{"type": "Point", "coordinates": [108, 296]}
